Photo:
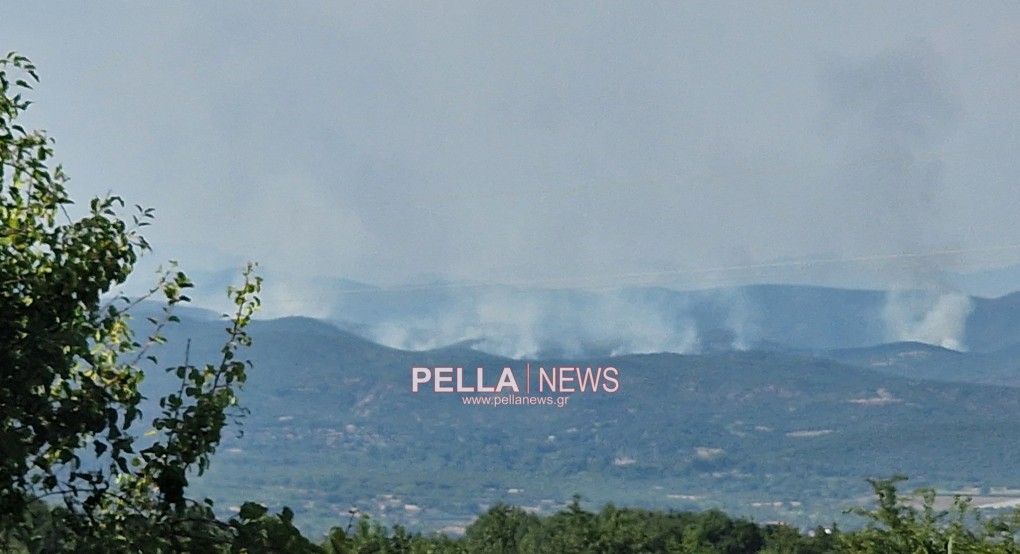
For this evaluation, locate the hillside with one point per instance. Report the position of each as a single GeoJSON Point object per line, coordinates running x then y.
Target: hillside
{"type": "Point", "coordinates": [924, 361]}
{"type": "Point", "coordinates": [769, 434]}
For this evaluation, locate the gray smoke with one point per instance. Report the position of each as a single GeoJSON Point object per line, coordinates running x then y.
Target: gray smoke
{"type": "Point", "coordinates": [526, 324]}
{"type": "Point", "coordinates": [889, 116]}
{"type": "Point", "coordinates": [932, 317]}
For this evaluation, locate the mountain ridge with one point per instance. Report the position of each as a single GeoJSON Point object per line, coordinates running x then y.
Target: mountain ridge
{"type": "Point", "coordinates": [334, 424]}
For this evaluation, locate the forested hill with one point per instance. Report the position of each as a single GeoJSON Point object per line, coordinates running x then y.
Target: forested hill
{"type": "Point", "coordinates": [769, 434]}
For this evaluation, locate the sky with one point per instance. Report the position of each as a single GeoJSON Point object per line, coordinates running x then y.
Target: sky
{"type": "Point", "coordinates": [564, 144]}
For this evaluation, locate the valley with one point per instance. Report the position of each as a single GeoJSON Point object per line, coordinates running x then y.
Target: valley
{"type": "Point", "coordinates": [783, 433]}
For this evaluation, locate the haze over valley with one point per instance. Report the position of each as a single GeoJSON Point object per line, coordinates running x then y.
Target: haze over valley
{"type": "Point", "coordinates": [771, 401]}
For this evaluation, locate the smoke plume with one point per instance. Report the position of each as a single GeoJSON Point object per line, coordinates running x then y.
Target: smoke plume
{"type": "Point", "coordinates": [889, 116]}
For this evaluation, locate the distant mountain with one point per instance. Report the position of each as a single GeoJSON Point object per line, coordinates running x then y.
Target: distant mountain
{"type": "Point", "coordinates": [519, 323]}
{"type": "Point", "coordinates": [151, 308]}
{"type": "Point", "coordinates": [923, 361]}
{"type": "Point", "coordinates": [994, 324]}
{"type": "Point", "coordinates": [988, 283]}
{"type": "Point", "coordinates": [777, 434]}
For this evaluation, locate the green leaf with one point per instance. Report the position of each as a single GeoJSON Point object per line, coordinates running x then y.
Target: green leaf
{"type": "Point", "coordinates": [251, 510]}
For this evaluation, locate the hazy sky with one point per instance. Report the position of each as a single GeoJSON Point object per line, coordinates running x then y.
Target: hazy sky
{"type": "Point", "coordinates": [542, 142]}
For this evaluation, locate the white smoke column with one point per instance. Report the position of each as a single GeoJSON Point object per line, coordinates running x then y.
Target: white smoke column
{"type": "Point", "coordinates": [520, 324]}
{"type": "Point", "coordinates": [639, 326]}
{"type": "Point", "coordinates": [890, 116]}
{"type": "Point", "coordinates": [394, 335]}
{"type": "Point", "coordinates": [930, 317]}
{"type": "Point", "coordinates": [740, 318]}
{"type": "Point", "coordinates": [509, 324]}
{"type": "Point", "coordinates": [682, 341]}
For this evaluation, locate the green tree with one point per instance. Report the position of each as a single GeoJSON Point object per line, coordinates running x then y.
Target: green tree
{"type": "Point", "coordinates": [898, 525]}
{"type": "Point", "coordinates": [501, 530]}
{"type": "Point", "coordinates": [569, 531]}
{"type": "Point", "coordinates": [782, 539]}
{"type": "Point", "coordinates": [70, 374]}
{"type": "Point", "coordinates": [635, 531]}
{"type": "Point", "coordinates": [369, 536]}
{"type": "Point", "coordinates": [714, 532]}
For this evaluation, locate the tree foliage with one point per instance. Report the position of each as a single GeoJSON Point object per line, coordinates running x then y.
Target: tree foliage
{"type": "Point", "coordinates": [70, 368]}
{"type": "Point", "coordinates": [897, 525]}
